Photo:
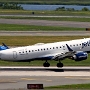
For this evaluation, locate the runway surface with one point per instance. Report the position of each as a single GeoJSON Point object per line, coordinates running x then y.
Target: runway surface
{"type": "Point", "coordinates": [46, 23]}
{"type": "Point", "coordinates": [44, 33]}
{"type": "Point", "coordinates": [16, 79]}
{"type": "Point", "coordinates": [42, 16]}
{"type": "Point", "coordinates": [55, 69]}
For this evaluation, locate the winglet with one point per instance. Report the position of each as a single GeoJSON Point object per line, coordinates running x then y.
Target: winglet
{"type": "Point", "coordinates": [69, 48]}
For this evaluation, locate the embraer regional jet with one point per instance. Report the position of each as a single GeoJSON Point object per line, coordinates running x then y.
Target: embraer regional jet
{"type": "Point", "coordinates": [75, 50]}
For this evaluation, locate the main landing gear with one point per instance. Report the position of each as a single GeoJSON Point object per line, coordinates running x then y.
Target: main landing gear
{"type": "Point", "coordinates": [46, 64]}
{"type": "Point", "coordinates": [59, 64]}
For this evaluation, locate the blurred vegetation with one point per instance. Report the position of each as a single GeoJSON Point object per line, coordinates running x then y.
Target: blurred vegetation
{"type": "Point", "coordinates": [46, 12]}
{"type": "Point", "coordinates": [10, 6]}
{"type": "Point", "coordinates": [85, 9]}
{"type": "Point", "coordinates": [53, 2]}
{"type": "Point", "coordinates": [69, 87]}
{"type": "Point", "coordinates": [30, 40]}
{"type": "Point", "coordinates": [70, 9]}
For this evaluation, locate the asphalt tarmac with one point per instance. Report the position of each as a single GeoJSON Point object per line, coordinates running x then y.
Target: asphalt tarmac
{"type": "Point", "coordinates": [20, 83]}
{"type": "Point", "coordinates": [46, 23]}
{"type": "Point", "coordinates": [44, 33]}
{"type": "Point", "coordinates": [14, 79]}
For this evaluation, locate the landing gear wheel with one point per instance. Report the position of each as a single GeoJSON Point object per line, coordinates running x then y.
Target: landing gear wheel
{"type": "Point", "coordinates": [59, 64]}
{"type": "Point", "coordinates": [46, 64]}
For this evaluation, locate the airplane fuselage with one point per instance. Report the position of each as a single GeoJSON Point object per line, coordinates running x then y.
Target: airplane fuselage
{"type": "Point", "coordinates": [44, 51]}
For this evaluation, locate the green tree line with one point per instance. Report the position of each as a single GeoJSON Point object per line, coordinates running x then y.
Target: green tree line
{"type": "Point", "coordinates": [10, 6]}
{"type": "Point", "coordinates": [70, 9]}
{"type": "Point", "coordinates": [49, 2]}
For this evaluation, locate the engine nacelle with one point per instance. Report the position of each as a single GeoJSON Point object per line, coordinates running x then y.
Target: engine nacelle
{"type": "Point", "coordinates": [79, 56]}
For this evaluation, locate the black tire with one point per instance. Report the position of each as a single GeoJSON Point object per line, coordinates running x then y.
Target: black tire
{"type": "Point", "coordinates": [59, 64]}
{"type": "Point", "coordinates": [46, 64]}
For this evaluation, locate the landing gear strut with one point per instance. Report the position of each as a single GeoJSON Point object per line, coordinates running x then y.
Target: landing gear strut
{"type": "Point", "coordinates": [46, 64]}
{"type": "Point", "coordinates": [59, 64]}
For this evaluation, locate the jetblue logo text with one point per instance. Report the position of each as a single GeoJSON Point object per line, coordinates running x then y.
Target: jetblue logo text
{"type": "Point", "coordinates": [85, 44]}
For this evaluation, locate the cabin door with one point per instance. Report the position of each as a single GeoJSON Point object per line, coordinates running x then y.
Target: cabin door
{"type": "Point", "coordinates": [14, 54]}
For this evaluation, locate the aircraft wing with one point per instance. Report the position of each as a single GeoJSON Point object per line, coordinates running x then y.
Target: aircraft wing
{"type": "Point", "coordinates": [62, 55]}
{"type": "Point", "coordinates": [58, 56]}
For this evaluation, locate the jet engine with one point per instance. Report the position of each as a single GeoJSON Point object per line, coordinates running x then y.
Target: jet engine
{"type": "Point", "coordinates": [79, 56]}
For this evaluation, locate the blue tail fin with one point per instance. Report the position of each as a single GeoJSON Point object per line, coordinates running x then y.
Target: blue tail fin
{"type": "Point", "coordinates": [3, 47]}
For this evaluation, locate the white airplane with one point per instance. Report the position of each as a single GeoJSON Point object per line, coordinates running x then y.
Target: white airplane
{"type": "Point", "coordinates": [75, 50]}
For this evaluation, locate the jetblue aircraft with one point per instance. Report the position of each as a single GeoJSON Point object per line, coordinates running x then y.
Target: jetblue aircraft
{"type": "Point", "coordinates": [74, 49]}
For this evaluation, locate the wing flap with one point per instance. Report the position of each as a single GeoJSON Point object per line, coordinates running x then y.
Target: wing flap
{"type": "Point", "coordinates": [62, 55]}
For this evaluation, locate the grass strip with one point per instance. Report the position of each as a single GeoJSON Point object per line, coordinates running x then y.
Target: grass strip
{"type": "Point", "coordinates": [50, 18]}
{"type": "Point", "coordinates": [69, 87]}
{"type": "Point", "coordinates": [16, 27]}
{"type": "Point", "coordinates": [30, 40]}
{"type": "Point", "coordinates": [44, 12]}
{"type": "Point", "coordinates": [66, 62]}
